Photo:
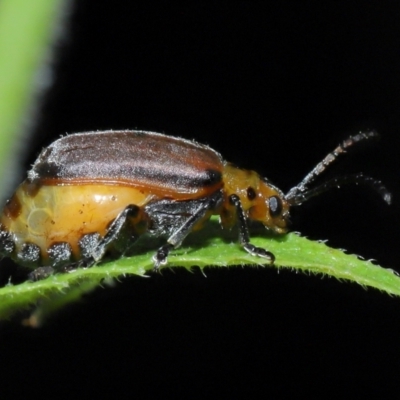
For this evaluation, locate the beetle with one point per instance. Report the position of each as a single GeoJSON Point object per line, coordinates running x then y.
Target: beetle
{"type": "Point", "coordinates": [93, 193]}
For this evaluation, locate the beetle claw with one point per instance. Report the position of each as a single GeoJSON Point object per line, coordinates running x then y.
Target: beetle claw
{"type": "Point", "coordinates": [158, 263]}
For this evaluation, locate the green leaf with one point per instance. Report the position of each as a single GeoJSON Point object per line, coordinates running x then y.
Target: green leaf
{"type": "Point", "coordinates": [27, 29]}
{"type": "Point", "coordinates": [202, 249]}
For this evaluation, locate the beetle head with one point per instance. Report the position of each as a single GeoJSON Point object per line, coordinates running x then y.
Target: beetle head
{"type": "Point", "coordinates": [270, 207]}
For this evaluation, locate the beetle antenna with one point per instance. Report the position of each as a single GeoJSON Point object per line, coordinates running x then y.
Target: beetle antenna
{"type": "Point", "coordinates": [297, 190]}
{"type": "Point", "coordinates": [359, 178]}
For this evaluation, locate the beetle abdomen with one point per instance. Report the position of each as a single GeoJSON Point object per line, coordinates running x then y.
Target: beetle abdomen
{"type": "Point", "coordinates": [62, 216]}
{"type": "Point", "coordinates": [162, 164]}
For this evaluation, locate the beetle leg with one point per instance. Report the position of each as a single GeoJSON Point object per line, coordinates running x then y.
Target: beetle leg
{"type": "Point", "coordinates": [244, 237]}
{"type": "Point", "coordinates": [177, 237]}
{"type": "Point", "coordinates": [111, 235]}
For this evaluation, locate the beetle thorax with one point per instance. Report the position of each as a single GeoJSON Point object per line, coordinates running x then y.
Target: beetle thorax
{"type": "Point", "coordinates": [260, 200]}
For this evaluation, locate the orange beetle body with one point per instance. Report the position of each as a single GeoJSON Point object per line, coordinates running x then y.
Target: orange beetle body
{"type": "Point", "coordinates": [91, 194]}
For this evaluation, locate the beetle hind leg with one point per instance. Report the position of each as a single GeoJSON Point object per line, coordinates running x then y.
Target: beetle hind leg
{"type": "Point", "coordinates": [244, 236]}
{"type": "Point", "coordinates": [176, 239]}
{"type": "Point", "coordinates": [195, 211]}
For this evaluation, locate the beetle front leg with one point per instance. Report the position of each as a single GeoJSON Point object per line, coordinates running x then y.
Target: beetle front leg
{"type": "Point", "coordinates": [244, 237]}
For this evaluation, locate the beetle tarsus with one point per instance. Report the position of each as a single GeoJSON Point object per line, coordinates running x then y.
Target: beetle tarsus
{"type": "Point", "coordinates": [259, 252]}
{"type": "Point", "coordinates": [40, 273]}
{"type": "Point", "coordinates": [160, 258]}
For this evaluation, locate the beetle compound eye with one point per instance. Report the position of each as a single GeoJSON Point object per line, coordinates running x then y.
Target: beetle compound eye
{"type": "Point", "coordinates": [275, 206]}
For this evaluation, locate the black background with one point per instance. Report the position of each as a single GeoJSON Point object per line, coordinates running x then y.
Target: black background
{"type": "Point", "coordinates": [273, 88]}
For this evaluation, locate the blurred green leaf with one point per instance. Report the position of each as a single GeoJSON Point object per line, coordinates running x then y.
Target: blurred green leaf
{"type": "Point", "coordinates": [27, 29]}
